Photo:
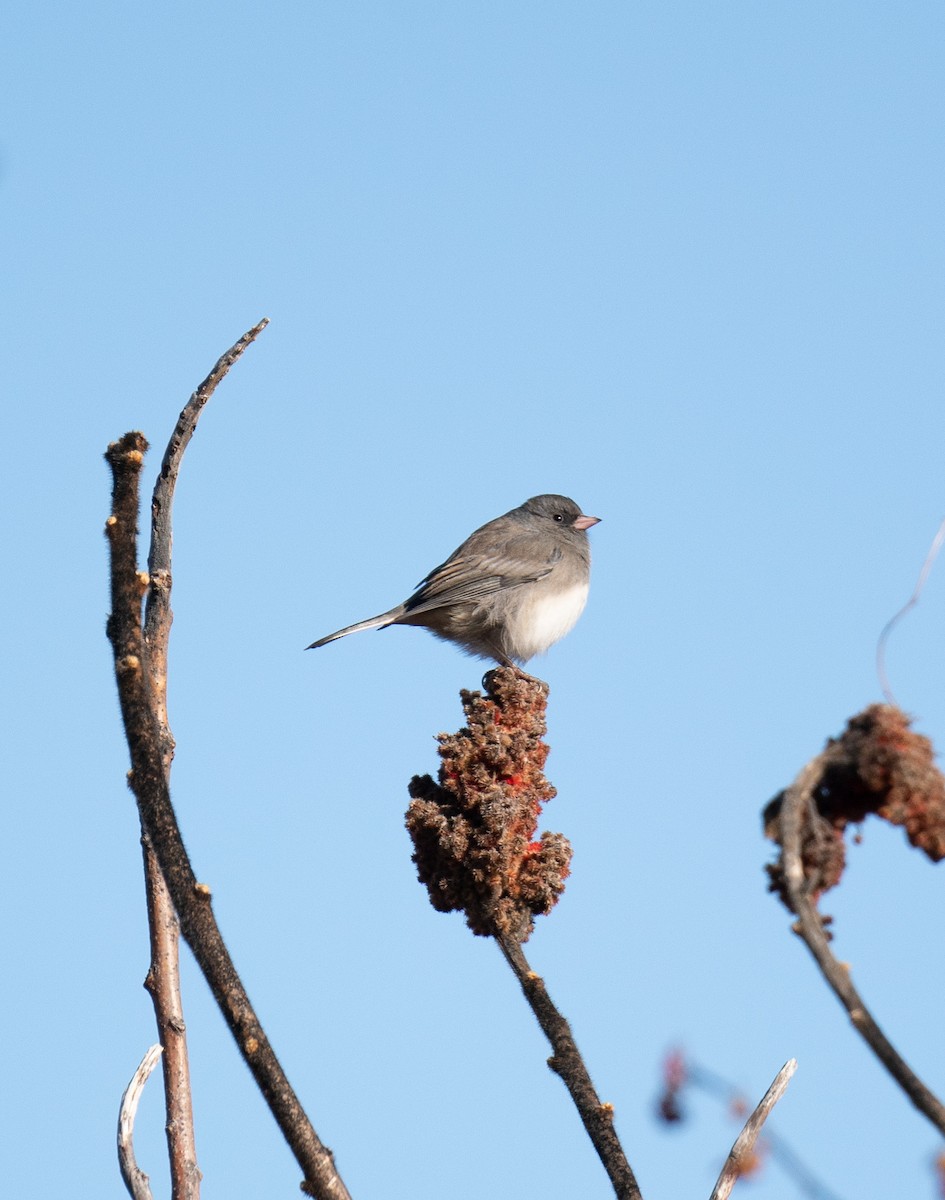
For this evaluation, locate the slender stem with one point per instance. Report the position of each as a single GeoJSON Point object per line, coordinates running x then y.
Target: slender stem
{"type": "Point", "coordinates": [567, 1062]}
{"type": "Point", "coordinates": [779, 1148]}
{"type": "Point", "coordinates": [144, 726]}
{"type": "Point", "coordinates": [163, 985]}
{"type": "Point", "coordinates": [745, 1142]}
{"type": "Point", "coordinates": [913, 600]}
{"type": "Point", "coordinates": [163, 979]}
{"type": "Point", "coordinates": [157, 614]}
{"type": "Point", "coordinates": [135, 1180]}
{"type": "Point", "coordinates": [810, 928]}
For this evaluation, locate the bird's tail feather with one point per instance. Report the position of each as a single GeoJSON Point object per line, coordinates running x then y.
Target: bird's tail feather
{"type": "Point", "coordinates": [378, 622]}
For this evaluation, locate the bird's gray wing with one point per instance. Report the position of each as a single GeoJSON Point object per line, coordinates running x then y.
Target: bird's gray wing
{"type": "Point", "coordinates": [467, 578]}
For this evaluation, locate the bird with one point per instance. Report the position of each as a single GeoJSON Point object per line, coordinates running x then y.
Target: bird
{"type": "Point", "coordinates": [515, 586]}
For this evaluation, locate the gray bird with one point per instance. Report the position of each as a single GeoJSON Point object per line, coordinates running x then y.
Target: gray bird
{"type": "Point", "coordinates": [510, 591]}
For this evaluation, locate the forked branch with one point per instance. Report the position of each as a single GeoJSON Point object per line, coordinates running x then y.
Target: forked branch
{"type": "Point", "coordinates": [144, 718]}
{"type": "Point", "coordinates": [163, 979]}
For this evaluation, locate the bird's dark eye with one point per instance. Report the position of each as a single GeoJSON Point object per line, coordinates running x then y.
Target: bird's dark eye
{"type": "Point", "coordinates": [559, 517]}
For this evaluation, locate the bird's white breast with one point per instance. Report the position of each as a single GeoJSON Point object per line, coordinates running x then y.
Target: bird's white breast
{"type": "Point", "coordinates": [546, 618]}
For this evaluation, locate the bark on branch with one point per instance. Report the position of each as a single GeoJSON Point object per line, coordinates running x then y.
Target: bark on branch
{"type": "Point", "coordinates": [145, 724]}
{"type": "Point", "coordinates": [163, 985]}
{"type": "Point", "coordinates": [566, 1061]}
{"type": "Point", "coordinates": [135, 1180]}
{"type": "Point", "coordinates": [477, 849]}
{"type": "Point", "coordinates": [801, 873]}
{"type": "Point", "coordinates": [745, 1142]}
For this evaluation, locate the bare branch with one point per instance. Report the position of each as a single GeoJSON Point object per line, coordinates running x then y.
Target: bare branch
{"type": "Point", "coordinates": [798, 798]}
{"type": "Point", "coordinates": [682, 1072]}
{"type": "Point", "coordinates": [163, 980]}
{"type": "Point", "coordinates": [163, 985]}
{"type": "Point", "coordinates": [148, 780]}
{"type": "Point", "coordinates": [158, 617]}
{"type": "Point", "coordinates": [745, 1142]}
{"type": "Point", "coordinates": [137, 1183]}
{"type": "Point", "coordinates": [566, 1061]}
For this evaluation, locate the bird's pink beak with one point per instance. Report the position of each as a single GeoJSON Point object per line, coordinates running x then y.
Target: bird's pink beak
{"type": "Point", "coordinates": [585, 522]}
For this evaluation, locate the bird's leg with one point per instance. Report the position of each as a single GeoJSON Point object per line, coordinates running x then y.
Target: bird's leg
{"type": "Point", "coordinates": [503, 660]}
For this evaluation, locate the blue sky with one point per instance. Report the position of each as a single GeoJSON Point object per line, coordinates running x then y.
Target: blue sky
{"type": "Point", "coordinates": [683, 262]}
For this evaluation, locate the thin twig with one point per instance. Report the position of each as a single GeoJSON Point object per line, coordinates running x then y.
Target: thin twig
{"type": "Point", "coordinates": [745, 1142]}
{"type": "Point", "coordinates": [148, 780]}
{"type": "Point", "coordinates": [910, 603]}
{"type": "Point", "coordinates": [163, 979]}
{"type": "Point", "coordinates": [810, 928]}
{"type": "Point", "coordinates": [567, 1062]}
{"type": "Point", "coordinates": [779, 1148]}
{"type": "Point", "coordinates": [157, 615]}
{"type": "Point", "coordinates": [137, 1183]}
{"type": "Point", "coordinates": [149, 783]}
{"type": "Point", "coordinates": [163, 985]}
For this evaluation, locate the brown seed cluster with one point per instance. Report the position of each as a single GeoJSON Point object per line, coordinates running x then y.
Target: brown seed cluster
{"type": "Point", "coordinates": [474, 831]}
{"type": "Point", "coordinates": [878, 765]}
